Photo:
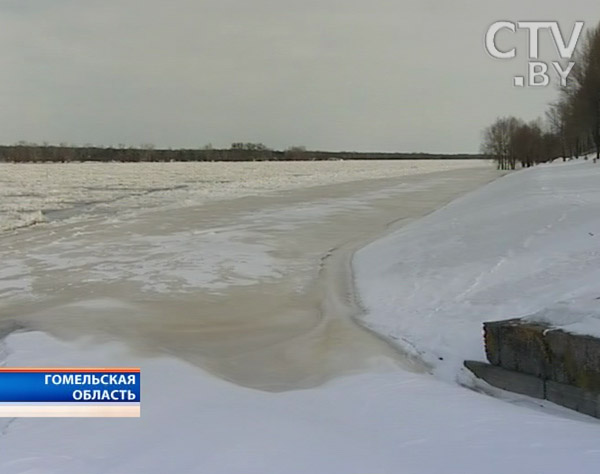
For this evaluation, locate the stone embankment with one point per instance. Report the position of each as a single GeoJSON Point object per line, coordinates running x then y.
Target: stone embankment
{"type": "Point", "coordinates": [542, 362]}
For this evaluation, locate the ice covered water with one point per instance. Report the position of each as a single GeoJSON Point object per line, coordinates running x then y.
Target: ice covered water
{"type": "Point", "coordinates": [42, 193]}
{"type": "Point", "coordinates": [257, 290]}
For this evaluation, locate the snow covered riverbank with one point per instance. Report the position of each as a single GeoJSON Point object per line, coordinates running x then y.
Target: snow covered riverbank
{"type": "Point", "coordinates": [388, 423]}
{"type": "Point", "coordinates": [526, 243]}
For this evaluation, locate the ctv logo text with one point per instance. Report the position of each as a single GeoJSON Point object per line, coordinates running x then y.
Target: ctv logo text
{"type": "Point", "coordinates": [538, 72]}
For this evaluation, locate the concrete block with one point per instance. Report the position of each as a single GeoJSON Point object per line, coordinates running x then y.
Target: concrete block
{"type": "Point", "coordinates": [574, 360]}
{"type": "Point", "coordinates": [517, 345]}
{"type": "Point", "coordinates": [491, 335]}
{"type": "Point", "coordinates": [573, 397]}
{"type": "Point", "coordinates": [507, 379]}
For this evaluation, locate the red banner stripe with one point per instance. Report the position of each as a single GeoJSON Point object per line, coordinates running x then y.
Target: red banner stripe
{"type": "Point", "coordinates": [69, 369]}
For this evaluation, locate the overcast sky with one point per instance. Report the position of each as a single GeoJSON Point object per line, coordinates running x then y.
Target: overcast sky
{"type": "Point", "coordinates": [376, 75]}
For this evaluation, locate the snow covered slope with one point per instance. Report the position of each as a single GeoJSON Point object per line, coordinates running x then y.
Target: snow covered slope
{"type": "Point", "coordinates": [527, 243]}
{"type": "Point", "coordinates": [384, 423]}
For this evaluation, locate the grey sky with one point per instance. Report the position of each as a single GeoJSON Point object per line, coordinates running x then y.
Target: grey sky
{"type": "Point", "coordinates": [329, 74]}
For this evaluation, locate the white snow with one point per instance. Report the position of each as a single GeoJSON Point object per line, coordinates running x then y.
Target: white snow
{"type": "Point", "coordinates": [372, 423]}
{"type": "Point", "coordinates": [526, 243]}
{"type": "Point", "coordinates": [577, 315]}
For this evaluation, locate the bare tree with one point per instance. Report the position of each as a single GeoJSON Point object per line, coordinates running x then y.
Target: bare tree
{"type": "Point", "coordinates": [557, 122]}
{"type": "Point", "coordinates": [581, 98]}
{"type": "Point", "coordinates": [498, 142]}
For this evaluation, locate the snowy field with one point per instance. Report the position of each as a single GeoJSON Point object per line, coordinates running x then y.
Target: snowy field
{"type": "Point", "coordinates": [390, 423]}
{"type": "Point", "coordinates": [525, 244]}
{"type": "Point", "coordinates": [36, 193]}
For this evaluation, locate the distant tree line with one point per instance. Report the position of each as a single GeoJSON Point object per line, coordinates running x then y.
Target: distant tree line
{"type": "Point", "coordinates": [572, 123]}
{"type": "Point", "coordinates": [30, 152]}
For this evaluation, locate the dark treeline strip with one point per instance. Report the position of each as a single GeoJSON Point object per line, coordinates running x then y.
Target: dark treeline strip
{"type": "Point", "coordinates": [572, 124]}
{"type": "Point", "coordinates": [59, 154]}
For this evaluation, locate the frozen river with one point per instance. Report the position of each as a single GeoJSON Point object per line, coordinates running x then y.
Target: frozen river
{"type": "Point", "coordinates": [255, 289]}
{"type": "Point", "coordinates": [41, 193]}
